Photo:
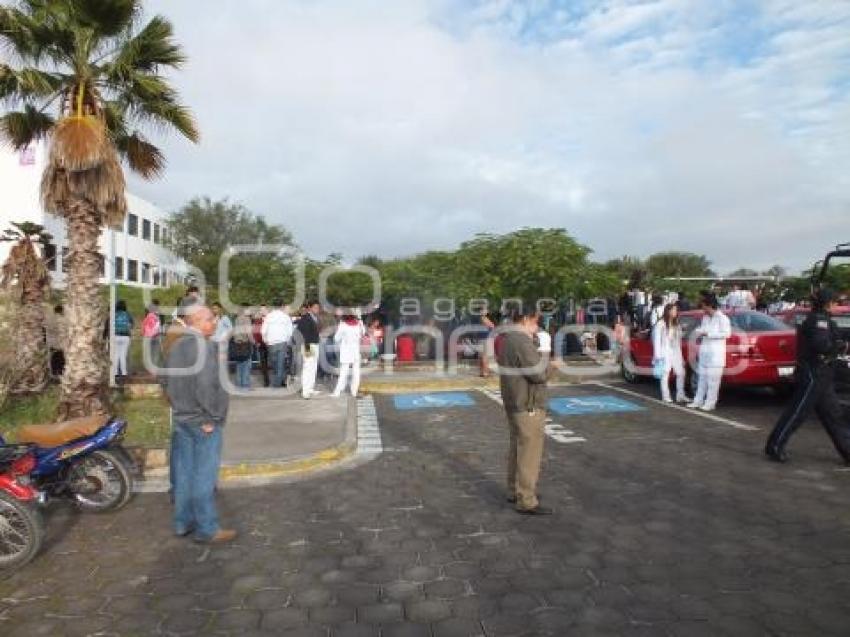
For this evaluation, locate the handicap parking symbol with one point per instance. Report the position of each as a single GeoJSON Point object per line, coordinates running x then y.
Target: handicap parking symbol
{"type": "Point", "coordinates": [437, 400]}
{"type": "Point", "coordinates": [589, 405]}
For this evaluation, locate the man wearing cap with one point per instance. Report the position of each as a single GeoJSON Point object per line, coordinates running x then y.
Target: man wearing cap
{"type": "Point", "coordinates": [818, 345]}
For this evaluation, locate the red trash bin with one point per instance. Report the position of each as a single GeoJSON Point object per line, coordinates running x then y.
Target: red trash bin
{"type": "Point", "coordinates": [404, 348]}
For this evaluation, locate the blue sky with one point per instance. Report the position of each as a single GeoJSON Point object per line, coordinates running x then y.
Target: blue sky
{"type": "Point", "coordinates": [717, 126]}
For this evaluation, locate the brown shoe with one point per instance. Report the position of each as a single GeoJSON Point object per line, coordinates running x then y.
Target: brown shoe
{"type": "Point", "coordinates": [223, 536]}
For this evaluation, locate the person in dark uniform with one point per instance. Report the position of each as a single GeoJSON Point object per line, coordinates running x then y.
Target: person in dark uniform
{"type": "Point", "coordinates": [818, 345]}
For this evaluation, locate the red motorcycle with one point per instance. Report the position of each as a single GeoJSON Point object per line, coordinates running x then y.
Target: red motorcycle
{"type": "Point", "coordinates": [21, 522]}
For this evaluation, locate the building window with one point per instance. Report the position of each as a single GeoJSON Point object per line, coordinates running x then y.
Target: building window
{"type": "Point", "coordinates": [102, 262]}
{"type": "Point", "coordinates": [156, 276]}
{"type": "Point", "coordinates": [133, 225]}
{"type": "Point", "coordinates": [165, 278]}
{"type": "Point", "coordinates": [50, 257]}
{"type": "Point", "coordinates": [146, 272]}
{"type": "Point", "coordinates": [156, 233]}
{"type": "Point", "coordinates": [119, 268]}
{"type": "Point", "coordinates": [64, 259]}
{"type": "Point", "coordinates": [146, 230]}
{"type": "Point", "coordinates": [132, 270]}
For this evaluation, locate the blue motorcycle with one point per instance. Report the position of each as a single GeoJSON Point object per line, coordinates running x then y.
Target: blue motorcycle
{"type": "Point", "coordinates": [81, 459]}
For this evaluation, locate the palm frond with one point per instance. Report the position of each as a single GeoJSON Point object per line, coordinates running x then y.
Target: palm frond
{"type": "Point", "coordinates": [20, 128]}
{"type": "Point", "coordinates": [142, 156]}
{"type": "Point", "coordinates": [79, 143]}
{"type": "Point", "coordinates": [27, 84]}
{"type": "Point", "coordinates": [149, 49]}
{"type": "Point", "coordinates": [106, 18]}
{"type": "Point", "coordinates": [41, 30]}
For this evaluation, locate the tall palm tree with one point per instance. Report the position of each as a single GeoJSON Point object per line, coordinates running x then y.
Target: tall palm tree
{"type": "Point", "coordinates": [89, 78]}
{"type": "Point", "coordinates": [25, 275]}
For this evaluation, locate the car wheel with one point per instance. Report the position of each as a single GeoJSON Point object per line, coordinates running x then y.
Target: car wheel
{"type": "Point", "coordinates": [628, 369]}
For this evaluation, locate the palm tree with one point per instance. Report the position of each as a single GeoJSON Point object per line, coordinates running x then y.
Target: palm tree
{"type": "Point", "coordinates": [90, 79]}
{"type": "Point", "coordinates": [25, 275]}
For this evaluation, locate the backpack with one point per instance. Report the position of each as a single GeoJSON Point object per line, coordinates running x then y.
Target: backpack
{"type": "Point", "coordinates": [123, 323]}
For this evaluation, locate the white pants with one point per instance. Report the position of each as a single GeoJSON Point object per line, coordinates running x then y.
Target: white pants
{"type": "Point", "coordinates": [309, 366]}
{"type": "Point", "coordinates": [343, 378]}
{"type": "Point", "coordinates": [674, 364]}
{"type": "Point", "coordinates": [708, 386]}
{"type": "Point", "coordinates": [119, 356]}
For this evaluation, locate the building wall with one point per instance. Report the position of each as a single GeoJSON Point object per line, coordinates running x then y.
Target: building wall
{"type": "Point", "coordinates": [141, 256]}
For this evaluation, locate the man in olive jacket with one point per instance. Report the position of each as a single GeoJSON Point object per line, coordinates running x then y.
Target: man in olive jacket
{"type": "Point", "coordinates": [522, 376]}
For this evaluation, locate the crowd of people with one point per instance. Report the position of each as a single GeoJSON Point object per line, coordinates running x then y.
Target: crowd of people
{"type": "Point", "coordinates": [282, 345]}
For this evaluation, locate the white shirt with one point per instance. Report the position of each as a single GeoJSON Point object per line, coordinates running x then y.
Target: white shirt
{"type": "Point", "coordinates": [714, 330]}
{"type": "Point", "coordinates": [222, 329]}
{"type": "Point", "coordinates": [666, 343]}
{"type": "Point", "coordinates": [277, 328]}
{"type": "Point", "coordinates": [545, 342]}
{"type": "Point", "coordinates": [347, 338]}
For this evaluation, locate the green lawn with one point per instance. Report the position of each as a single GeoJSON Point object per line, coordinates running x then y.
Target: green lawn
{"type": "Point", "coordinates": [148, 418]}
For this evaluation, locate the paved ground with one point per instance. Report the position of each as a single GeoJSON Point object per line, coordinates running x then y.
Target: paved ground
{"type": "Point", "coordinates": [264, 428]}
{"type": "Point", "coordinates": [667, 524]}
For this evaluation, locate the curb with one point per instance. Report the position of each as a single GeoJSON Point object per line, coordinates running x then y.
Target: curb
{"type": "Point", "coordinates": [244, 473]}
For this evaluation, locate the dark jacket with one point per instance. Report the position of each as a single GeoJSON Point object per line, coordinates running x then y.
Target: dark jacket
{"type": "Point", "coordinates": [818, 340]}
{"type": "Point", "coordinates": [196, 398]}
{"type": "Point", "coordinates": [308, 327]}
{"type": "Point", "coordinates": [525, 391]}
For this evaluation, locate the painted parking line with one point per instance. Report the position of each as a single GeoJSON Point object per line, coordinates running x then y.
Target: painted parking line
{"type": "Point", "coordinates": [694, 412]}
{"type": "Point", "coordinates": [591, 405]}
{"type": "Point", "coordinates": [435, 400]}
{"type": "Point", "coordinates": [555, 431]}
{"type": "Point", "coordinates": [368, 430]}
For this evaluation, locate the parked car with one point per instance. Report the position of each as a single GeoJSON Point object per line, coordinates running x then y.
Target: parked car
{"type": "Point", "coordinates": [761, 351]}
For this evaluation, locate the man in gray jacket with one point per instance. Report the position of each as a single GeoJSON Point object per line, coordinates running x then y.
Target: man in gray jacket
{"type": "Point", "coordinates": [522, 377]}
{"type": "Point", "coordinates": [199, 405]}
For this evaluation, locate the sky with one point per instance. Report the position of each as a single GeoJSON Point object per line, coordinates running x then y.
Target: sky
{"type": "Point", "coordinates": [720, 127]}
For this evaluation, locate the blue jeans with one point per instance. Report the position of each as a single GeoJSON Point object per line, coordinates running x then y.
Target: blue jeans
{"type": "Point", "coordinates": [277, 361]}
{"type": "Point", "coordinates": [243, 373]}
{"type": "Point", "coordinates": [197, 458]}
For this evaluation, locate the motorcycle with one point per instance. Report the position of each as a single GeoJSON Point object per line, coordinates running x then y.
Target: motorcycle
{"type": "Point", "coordinates": [81, 459]}
{"type": "Point", "coordinates": [21, 522]}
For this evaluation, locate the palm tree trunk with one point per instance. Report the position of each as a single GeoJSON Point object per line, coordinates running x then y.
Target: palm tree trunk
{"type": "Point", "coordinates": [83, 389]}
{"type": "Point", "coordinates": [30, 348]}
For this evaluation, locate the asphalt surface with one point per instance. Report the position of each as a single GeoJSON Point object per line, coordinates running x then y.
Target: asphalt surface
{"type": "Point", "coordinates": [666, 523]}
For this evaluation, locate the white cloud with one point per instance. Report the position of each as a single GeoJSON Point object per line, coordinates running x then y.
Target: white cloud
{"type": "Point", "coordinates": [366, 129]}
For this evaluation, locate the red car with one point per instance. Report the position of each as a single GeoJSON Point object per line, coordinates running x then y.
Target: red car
{"type": "Point", "coordinates": [761, 351]}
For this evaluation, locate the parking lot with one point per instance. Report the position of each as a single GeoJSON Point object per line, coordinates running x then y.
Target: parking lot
{"type": "Point", "coordinates": [667, 523]}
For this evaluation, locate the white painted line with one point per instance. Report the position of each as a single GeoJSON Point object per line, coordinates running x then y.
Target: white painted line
{"type": "Point", "coordinates": [368, 428]}
{"type": "Point", "coordinates": [555, 431]}
{"type": "Point", "coordinates": [694, 412]}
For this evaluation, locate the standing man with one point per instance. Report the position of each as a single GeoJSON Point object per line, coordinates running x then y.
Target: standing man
{"type": "Point", "coordinates": [818, 345]}
{"type": "Point", "coordinates": [522, 379]}
{"type": "Point", "coordinates": [262, 349]}
{"type": "Point", "coordinates": [276, 332]}
{"type": "Point", "coordinates": [223, 326]}
{"type": "Point", "coordinates": [199, 405]}
{"type": "Point", "coordinates": [714, 330]}
{"type": "Point", "coordinates": [308, 328]}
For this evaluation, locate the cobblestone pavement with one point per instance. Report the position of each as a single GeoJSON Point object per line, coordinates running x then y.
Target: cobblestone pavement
{"type": "Point", "coordinates": [666, 524]}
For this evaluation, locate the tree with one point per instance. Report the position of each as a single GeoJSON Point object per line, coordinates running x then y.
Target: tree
{"type": "Point", "coordinates": [678, 264]}
{"type": "Point", "coordinates": [91, 79]}
{"type": "Point", "coordinates": [743, 272]}
{"type": "Point", "coordinates": [25, 276]}
{"type": "Point", "coordinates": [203, 229]}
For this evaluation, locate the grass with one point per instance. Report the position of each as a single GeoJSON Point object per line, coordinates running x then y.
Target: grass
{"type": "Point", "coordinates": [147, 418]}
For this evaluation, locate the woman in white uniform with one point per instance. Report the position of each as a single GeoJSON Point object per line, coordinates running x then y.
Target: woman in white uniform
{"type": "Point", "coordinates": [714, 330]}
{"type": "Point", "coordinates": [348, 335]}
{"type": "Point", "coordinates": [667, 349]}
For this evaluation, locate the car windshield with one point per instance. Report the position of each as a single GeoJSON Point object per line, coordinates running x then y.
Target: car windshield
{"type": "Point", "coordinates": [756, 322]}
{"type": "Point", "coordinates": [842, 321]}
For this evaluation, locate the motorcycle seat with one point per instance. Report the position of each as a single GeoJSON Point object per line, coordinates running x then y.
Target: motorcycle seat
{"type": "Point", "coordinates": [55, 434]}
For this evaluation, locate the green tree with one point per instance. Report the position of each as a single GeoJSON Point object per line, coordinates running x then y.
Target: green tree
{"type": "Point", "coordinates": [203, 229]}
{"type": "Point", "coordinates": [91, 75]}
{"type": "Point", "coordinates": [743, 272]}
{"type": "Point", "coordinates": [675, 264]}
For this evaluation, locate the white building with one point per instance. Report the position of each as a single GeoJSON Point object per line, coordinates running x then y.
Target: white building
{"type": "Point", "coordinates": [141, 258]}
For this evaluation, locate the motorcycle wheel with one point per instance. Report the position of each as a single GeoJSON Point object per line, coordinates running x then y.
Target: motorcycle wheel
{"type": "Point", "coordinates": [21, 532]}
{"type": "Point", "coordinates": [101, 481]}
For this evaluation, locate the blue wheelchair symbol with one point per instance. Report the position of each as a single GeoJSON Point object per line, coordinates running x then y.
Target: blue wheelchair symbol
{"type": "Point", "coordinates": [439, 400]}
{"type": "Point", "coordinates": [578, 406]}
